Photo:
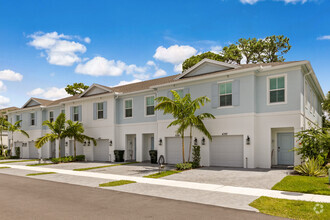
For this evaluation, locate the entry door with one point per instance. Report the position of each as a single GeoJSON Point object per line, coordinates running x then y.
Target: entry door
{"type": "Point", "coordinates": [285, 143]}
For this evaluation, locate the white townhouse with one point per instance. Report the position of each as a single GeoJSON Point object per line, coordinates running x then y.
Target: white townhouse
{"type": "Point", "coordinates": [258, 108]}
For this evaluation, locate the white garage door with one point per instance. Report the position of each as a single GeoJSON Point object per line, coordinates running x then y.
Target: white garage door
{"type": "Point", "coordinates": [101, 151]}
{"type": "Point", "coordinates": [174, 149]}
{"type": "Point", "coordinates": [33, 151]}
{"type": "Point", "coordinates": [227, 151]}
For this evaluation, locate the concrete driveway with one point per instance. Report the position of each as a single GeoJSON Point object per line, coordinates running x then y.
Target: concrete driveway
{"type": "Point", "coordinates": [256, 178]}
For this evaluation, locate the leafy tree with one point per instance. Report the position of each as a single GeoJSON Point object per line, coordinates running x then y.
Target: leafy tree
{"type": "Point", "coordinates": [76, 88]}
{"type": "Point", "coordinates": [326, 111]}
{"type": "Point", "coordinates": [58, 132]}
{"type": "Point", "coordinates": [3, 126]}
{"type": "Point", "coordinates": [231, 54]}
{"type": "Point", "coordinates": [326, 103]}
{"type": "Point", "coordinates": [75, 130]}
{"type": "Point", "coordinates": [16, 127]}
{"type": "Point", "coordinates": [195, 59]}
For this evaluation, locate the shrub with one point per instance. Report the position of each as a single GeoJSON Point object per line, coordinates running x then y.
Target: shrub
{"type": "Point", "coordinates": [80, 158]}
{"type": "Point", "coordinates": [311, 167]}
{"type": "Point", "coordinates": [196, 156]}
{"type": "Point", "coordinates": [183, 166]}
{"type": "Point", "coordinates": [68, 159]}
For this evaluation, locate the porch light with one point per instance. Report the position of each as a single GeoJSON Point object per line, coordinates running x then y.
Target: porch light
{"type": "Point", "coordinates": [110, 142]}
{"type": "Point", "coordinates": [160, 141]}
{"type": "Point", "coordinates": [66, 143]}
{"type": "Point", "coordinates": [89, 143]}
{"type": "Point", "coordinates": [203, 141]}
{"type": "Point", "coordinates": [248, 140]}
{"type": "Point", "coordinates": [195, 141]}
{"type": "Point", "coordinates": [84, 143]}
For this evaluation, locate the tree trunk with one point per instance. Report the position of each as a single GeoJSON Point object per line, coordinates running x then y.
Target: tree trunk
{"type": "Point", "coordinates": [12, 143]}
{"type": "Point", "coordinates": [75, 151]}
{"type": "Point", "coordinates": [190, 144]}
{"type": "Point", "coordinates": [182, 136]}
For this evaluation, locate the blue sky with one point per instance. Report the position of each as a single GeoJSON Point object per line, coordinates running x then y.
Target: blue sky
{"type": "Point", "coordinates": [45, 45]}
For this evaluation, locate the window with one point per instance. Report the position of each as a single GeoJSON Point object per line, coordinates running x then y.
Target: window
{"type": "Point", "coordinates": [277, 89]}
{"type": "Point", "coordinates": [75, 113]}
{"type": "Point", "coordinates": [33, 119]}
{"type": "Point", "coordinates": [225, 93]}
{"type": "Point", "coordinates": [51, 116]}
{"type": "Point", "coordinates": [128, 108]}
{"type": "Point", "coordinates": [100, 110]}
{"type": "Point", "coordinates": [63, 111]}
{"type": "Point", "coordinates": [18, 118]}
{"type": "Point", "coordinates": [180, 92]}
{"type": "Point", "coordinates": [150, 105]}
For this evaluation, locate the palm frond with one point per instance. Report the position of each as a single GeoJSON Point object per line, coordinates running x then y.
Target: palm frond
{"type": "Point", "coordinates": [43, 140]}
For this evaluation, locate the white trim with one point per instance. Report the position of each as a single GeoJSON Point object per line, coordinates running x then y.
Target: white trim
{"type": "Point", "coordinates": [285, 89]}
{"type": "Point", "coordinates": [49, 115]}
{"type": "Point", "coordinates": [97, 111]}
{"type": "Point", "coordinates": [226, 106]}
{"type": "Point", "coordinates": [75, 106]}
{"type": "Point", "coordinates": [34, 113]}
{"type": "Point", "coordinates": [30, 101]}
{"type": "Point", "coordinates": [92, 86]}
{"type": "Point", "coordinates": [124, 108]}
{"type": "Point", "coordinates": [145, 106]}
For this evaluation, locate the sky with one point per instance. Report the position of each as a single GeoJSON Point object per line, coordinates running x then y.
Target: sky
{"type": "Point", "coordinates": [46, 45]}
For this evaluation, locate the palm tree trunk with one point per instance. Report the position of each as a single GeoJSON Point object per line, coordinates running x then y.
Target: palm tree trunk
{"type": "Point", "coordinates": [12, 143]}
{"type": "Point", "coordinates": [182, 136]}
{"type": "Point", "coordinates": [75, 151]}
{"type": "Point", "coordinates": [190, 144]}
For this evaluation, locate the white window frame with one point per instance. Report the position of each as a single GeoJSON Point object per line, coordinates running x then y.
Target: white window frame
{"type": "Point", "coordinates": [49, 116]}
{"type": "Point", "coordinates": [97, 110]}
{"type": "Point", "coordinates": [34, 118]}
{"type": "Point", "coordinates": [228, 106]}
{"type": "Point", "coordinates": [19, 118]}
{"type": "Point", "coordinates": [74, 113]}
{"type": "Point", "coordinates": [145, 106]}
{"type": "Point", "coordinates": [178, 90]}
{"type": "Point", "coordinates": [124, 108]}
{"type": "Point", "coordinates": [285, 89]}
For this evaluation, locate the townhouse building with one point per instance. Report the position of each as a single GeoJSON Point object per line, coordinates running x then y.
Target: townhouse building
{"type": "Point", "coordinates": [258, 108]}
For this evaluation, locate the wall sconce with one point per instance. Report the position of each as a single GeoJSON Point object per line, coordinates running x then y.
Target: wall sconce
{"type": "Point", "coordinates": [160, 141]}
{"type": "Point", "coordinates": [110, 142]}
{"type": "Point", "coordinates": [248, 140]}
{"type": "Point", "coordinates": [89, 143]}
{"type": "Point", "coordinates": [84, 143]}
{"type": "Point", "coordinates": [66, 143]}
{"type": "Point", "coordinates": [203, 141]}
{"type": "Point", "coordinates": [195, 141]}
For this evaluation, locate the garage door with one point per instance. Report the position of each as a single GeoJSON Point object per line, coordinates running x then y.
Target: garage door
{"type": "Point", "coordinates": [227, 151]}
{"type": "Point", "coordinates": [33, 151]}
{"type": "Point", "coordinates": [101, 151]}
{"type": "Point", "coordinates": [174, 149]}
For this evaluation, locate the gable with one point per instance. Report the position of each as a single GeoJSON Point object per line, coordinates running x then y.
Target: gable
{"type": "Point", "coordinates": [206, 68]}
{"type": "Point", "coordinates": [31, 103]}
{"type": "Point", "coordinates": [95, 91]}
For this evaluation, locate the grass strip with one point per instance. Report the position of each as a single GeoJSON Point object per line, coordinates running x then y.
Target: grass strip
{"type": "Point", "coordinates": [163, 174]}
{"type": "Point", "coordinates": [37, 174]}
{"type": "Point", "coordinates": [4, 167]}
{"type": "Point", "coordinates": [39, 164]}
{"type": "Point", "coordinates": [292, 209]}
{"type": "Point", "coordinates": [304, 184]}
{"type": "Point", "coordinates": [112, 165]}
{"type": "Point", "coordinates": [116, 183]}
{"type": "Point", "coordinates": [16, 161]}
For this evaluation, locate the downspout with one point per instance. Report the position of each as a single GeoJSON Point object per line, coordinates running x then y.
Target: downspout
{"type": "Point", "coordinates": [304, 92]}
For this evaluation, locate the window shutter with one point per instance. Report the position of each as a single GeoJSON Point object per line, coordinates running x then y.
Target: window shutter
{"type": "Point", "coordinates": [215, 95]}
{"type": "Point", "coordinates": [94, 111]}
{"type": "Point", "coordinates": [105, 110]}
{"type": "Point", "coordinates": [236, 92]}
{"type": "Point", "coordinates": [80, 112]}
{"type": "Point", "coordinates": [71, 113]}
{"type": "Point", "coordinates": [185, 91]}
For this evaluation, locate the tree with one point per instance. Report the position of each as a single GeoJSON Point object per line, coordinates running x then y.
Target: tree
{"type": "Point", "coordinates": [195, 59]}
{"type": "Point", "coordinates": [3, 126]}
{"type": "Point", "coordinates": [16, 127]}
{"type": "Point", "coordinates": [326, 111]}
{"type": "Point", "coordinates": [326, 103]}
{"type": "Point", "coordinates": [58, 132]}
{"type": "Point", "coordinates": [76, 88]}
{"type": "Point", "coordinates": [75, 130]}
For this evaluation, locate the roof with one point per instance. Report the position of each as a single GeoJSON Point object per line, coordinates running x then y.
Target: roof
{"type": "Point", "coordinates": [4, 111]}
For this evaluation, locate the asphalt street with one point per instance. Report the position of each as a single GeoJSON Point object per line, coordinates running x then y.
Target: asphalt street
{"type": "Point", "coordinates": [30, 198]}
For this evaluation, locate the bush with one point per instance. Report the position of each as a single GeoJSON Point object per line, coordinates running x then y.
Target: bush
{"type": "Point", "coordinates": [80, 158]}
{"type": "Point", "coordinates": [183, 166]}
{"type": "Point", "coordinates": [68, 159]}
{"type": "Point", "coordinates": [311, 167]}
{"type": "Point", "coordinates": [196, 156]}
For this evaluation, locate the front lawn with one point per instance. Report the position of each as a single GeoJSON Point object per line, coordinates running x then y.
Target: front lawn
{"type": "Point", "coordinates": [112, 165]}
{"type": "Point", "coordinates": [17, 161]}
{"type": "Point", "coordinates": [4, 167]}
{"type": "Point", "coordinates": [162, 174]}
{"type": "Point", "coordinates": [304, 184]}
{"type": "Point", "coordinates": [291, 208]}
{"type": "Point", "coordinates": [116, 183]}
{"type": "Point", "coordinates": [37, 174]}
{"type": "Point", "coordinates": [39, 164]}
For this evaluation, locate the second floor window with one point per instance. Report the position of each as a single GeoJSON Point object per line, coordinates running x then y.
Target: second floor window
{"type": "Point", "coordinates": [51, 116]}
{"type": "Point", "coordinates": [100, 110]}
{"type": "Point", "coordinates": [180, 92]}
{"type": "Point", "coordinates": [33, 119]}
{"type": "Point", "coordinates": [128, 108]}
{"type": "Point", "coordinates": [75, 113]}
{"type": "Point", "coordinates": [225, 93]}
{"type": "Point", "coordinates": [277, 89]}
{"type": "Point", "coordinates": [18, 118]}
{"type": "Point", "coordinates": [150, 105]}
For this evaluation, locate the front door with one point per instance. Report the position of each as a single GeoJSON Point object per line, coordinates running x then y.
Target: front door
{"type": "Point", "coordinates": [285, 143]}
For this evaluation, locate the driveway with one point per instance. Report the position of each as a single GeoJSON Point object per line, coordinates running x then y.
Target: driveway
{"type": "Point", "coordinates": [255, 178]}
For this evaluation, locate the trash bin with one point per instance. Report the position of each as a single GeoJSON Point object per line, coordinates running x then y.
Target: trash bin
{"type": "Point", "coordinates": [119, 155]}
{"type": "Point", "coordinates": [153, 156]}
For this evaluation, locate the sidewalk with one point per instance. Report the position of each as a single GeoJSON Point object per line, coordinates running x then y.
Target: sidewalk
{"type": "Point", "coordinates": [244, 191]}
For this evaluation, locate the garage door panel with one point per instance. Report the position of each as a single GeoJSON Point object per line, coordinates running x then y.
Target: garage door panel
{"type": "Point", "coordinates": [101, 151]}
{"type": "Point", "coordinates": [174, 149]}
{"type": "Point", "coordinates": [227, 151]}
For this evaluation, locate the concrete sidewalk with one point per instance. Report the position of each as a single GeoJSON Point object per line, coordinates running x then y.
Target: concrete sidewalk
{"type": "Point", "coordinates": [247, 191]}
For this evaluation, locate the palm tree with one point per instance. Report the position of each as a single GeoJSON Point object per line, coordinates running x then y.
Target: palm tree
{"type": "Point", "coordinates": [75, 130]}
{"type": "Point", "coordinates": [58, 132]}
{"type": "Point", "coordinates": [16, 127]}
{"type": "Point", "coordinates": [3, 126]}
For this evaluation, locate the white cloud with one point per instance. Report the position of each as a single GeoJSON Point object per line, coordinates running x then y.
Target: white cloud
{"type": "Point", "coordinates": [134, 69]}
{"type": "Point", "coordinates": [151, 63]}
{"type": "Point", "coordinates": [10, 75]}
{"type": "Point", "coordinates": [252, 2]}
{"type": "Point", "coordinates": [4, 101]}
{"type": "Point", "coordinates": [159, 73]}
{"type": "Point", "coordinates": [87, 40]}
{"type": "Point", "coordinates": [49, 93]}
{"type": "Point", "coordinates": [216, 49]}
{"type": "Point", "coordinates": [325, 37]}
{"type": "Point", "coordinates": [60, 49]}
{"type": "Point", "coordinates": [178, 68]}
{"type": "Point", "coordinates": [121, 83]}
{"type": "Point", "coordinates": [99, 66]}
{"type": "Point", "coordinates": [175, 54]}
{"type": "Point", "coordinates": [2, 87]}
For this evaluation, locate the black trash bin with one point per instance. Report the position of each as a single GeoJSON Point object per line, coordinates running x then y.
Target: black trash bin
{"type": "Point", "coordinates": [153, 156]}
{"type": "Point", "coordinates": [119, 155]}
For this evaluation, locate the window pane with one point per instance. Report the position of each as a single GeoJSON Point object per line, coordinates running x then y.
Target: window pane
{"type": "Point", "coordinates": [280, 84]}
{"type": "Point", "coordinates": [150, 101]}
{"type": "Point", "coordinates": [150, 110]}
{"type": "Point", "coordinates": [228, 100]}
{"type": "Point", "coordinates": [280, 95]}
{"type": "Point", "coordinates": [100, 114]}
{"type": "Point", "coordinates": [273, 96]}
{"type": "Point", "coordinates": [222, 101]}
{"type": "Point", "coordinates": [100, 106]}
{"type": "Point", "coordinates": [228, 87]}
{"type": "Point", "coordinates": [76, 117]}
{"type": "Point", "coordinates": [128, 113]}
{"type": "Point", "coordinates": [222, 88]}
{"type": "Point", "coordinates": [128, 104]}
{"type": "Point", "coordinates": [272, 83]}
{"type": "Point", "coordinates": [75, 110]}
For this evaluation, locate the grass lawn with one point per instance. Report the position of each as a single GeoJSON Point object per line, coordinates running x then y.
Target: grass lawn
{"type": "Point", "coordinates": [116, 183]}
{"type": "Point", "coordinates": [162, 174]}
{"type": "Point", "coordinates": [112, 165]}
{"type": "Point", "coordinates": [304, 184]}
{"type": "Point", "coordinates": [4, 167]}
{"type": "Point", "coordinates": [37, 174]}
{"type": "Point", "coordinates": [39, 164]}
{"type": "Point", "coordinates": [291, 208]}
{"type": "Point", "coordinates": [17, 161]}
